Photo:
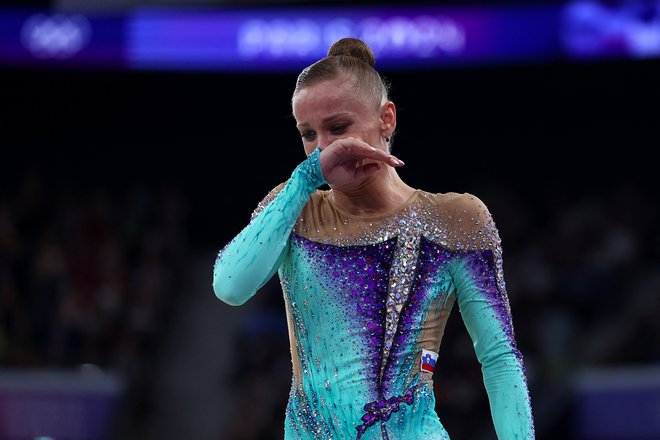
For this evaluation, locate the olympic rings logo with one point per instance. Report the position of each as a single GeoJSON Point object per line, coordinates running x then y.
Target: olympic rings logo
{"type": "Point", "coordinates": [55, 37]}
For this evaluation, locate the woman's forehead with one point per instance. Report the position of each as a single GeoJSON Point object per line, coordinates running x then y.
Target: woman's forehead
{"type": "Point", "coordinates": [323, 99]}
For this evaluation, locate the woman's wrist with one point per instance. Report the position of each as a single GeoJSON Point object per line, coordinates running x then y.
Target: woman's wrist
{"type": "Point", "coordinates": [310, 170]}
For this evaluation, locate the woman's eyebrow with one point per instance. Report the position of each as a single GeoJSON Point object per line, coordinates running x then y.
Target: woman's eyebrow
{"type": "Point", "coordinates": [336, 115]}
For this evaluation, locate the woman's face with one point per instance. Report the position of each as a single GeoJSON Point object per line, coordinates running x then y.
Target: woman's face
{"type": "Point", "coordinates": [334, 109]}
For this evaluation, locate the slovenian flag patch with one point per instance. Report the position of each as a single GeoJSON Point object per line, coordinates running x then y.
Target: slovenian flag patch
{"type": "Point", "coordinates": [429, 359]}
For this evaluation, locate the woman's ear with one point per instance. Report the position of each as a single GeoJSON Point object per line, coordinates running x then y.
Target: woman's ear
{"type": "Point", "coordinates": [388, 118]}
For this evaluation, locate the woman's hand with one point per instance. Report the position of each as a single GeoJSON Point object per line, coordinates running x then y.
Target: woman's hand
{"type": "Point", "coordinates": [342, 162]}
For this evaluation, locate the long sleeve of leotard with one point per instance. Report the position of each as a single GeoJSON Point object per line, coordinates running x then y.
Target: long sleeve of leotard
{"type": "Point", "coordinates": [485, 310]}
{"type": "Point", "coordinates": [251, 258]}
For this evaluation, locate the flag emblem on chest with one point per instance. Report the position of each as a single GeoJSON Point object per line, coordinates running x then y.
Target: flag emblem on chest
{"type": "Point", "coordinates": [429, 359]}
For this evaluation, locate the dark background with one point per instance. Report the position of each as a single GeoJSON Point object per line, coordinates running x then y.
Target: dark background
{"type": "Point", "coordinates": [569, 128]}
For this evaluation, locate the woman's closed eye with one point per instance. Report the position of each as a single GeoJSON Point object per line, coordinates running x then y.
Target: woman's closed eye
{"type": "Point", "coordinates": [308, 135]}
{"type": "Point", "coordinates": [339, 128]}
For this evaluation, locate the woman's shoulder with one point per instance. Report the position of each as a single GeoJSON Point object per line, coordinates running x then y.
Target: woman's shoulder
{"type": "Point", "coordinates": [461, 204]}
{"type": "Point", "coordinates": [467, 218]}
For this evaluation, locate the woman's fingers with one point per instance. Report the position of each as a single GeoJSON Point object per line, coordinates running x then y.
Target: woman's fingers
{"type": "Point", "coordinates": [378, 154]}
{"type": "Point", "coordinates": [358, 149]}
{"type": "Point", "coordinates": [367, 169]}
{"type": "Point", "coordinates": [348, 159]}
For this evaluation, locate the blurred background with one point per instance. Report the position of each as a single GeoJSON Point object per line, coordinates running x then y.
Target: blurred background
{"type": "Point", "coordinates": [138, 136]}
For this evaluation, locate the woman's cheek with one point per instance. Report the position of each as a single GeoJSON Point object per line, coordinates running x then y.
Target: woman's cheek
{"type": "Point", "coordinates": [309, 147]}
{"type": "Point", "coordinates": [369, 139]}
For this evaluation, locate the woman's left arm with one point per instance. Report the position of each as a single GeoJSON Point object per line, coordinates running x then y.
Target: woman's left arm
{"type": "Point", "coordinates": [484, 306]}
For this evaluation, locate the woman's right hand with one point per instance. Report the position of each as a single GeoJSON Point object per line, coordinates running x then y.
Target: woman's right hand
{"type": "Point", "coordinates": [342, 161]}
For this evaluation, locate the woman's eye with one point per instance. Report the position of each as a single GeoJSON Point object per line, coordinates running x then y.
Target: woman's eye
{"type": "Point", "coordinates": [337, 129]}
{"type": "Point", "coordinates": [308, 135]}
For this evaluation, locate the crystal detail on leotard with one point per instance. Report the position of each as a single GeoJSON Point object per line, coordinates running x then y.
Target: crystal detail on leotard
{"type": "Point", "coordinates": [401, 277]}
{"type": "Point", "coordinates": [382, 409]}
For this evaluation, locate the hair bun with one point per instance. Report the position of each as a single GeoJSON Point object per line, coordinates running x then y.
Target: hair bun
{"type": "Point", "coordinates": [353, 47]}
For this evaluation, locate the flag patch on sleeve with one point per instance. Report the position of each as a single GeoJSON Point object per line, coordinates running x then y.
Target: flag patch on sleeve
{"type": "Point", "coordinates": [429, 359]}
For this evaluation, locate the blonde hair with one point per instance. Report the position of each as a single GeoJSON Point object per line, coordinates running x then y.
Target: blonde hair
{"type": "Point", "coordinates": [351, 57]}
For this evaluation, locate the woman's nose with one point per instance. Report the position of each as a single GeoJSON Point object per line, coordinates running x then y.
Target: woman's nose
{"type": "Point", "coordinates": [323, 140]}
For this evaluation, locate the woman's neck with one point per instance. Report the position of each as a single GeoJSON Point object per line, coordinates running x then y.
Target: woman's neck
{"type": "Point", "coordinates": [383, 192]}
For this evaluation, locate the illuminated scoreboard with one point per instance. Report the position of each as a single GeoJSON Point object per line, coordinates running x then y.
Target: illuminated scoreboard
{"type": "Point", "coordinates": [274, 39]}
{"type": "Point", "coordinates": [283, 39]}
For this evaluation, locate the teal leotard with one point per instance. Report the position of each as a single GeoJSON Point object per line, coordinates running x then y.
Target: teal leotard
{"type": "Point", "coordinates": [367, 300]}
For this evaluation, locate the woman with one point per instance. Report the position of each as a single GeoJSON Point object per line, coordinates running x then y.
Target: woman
{"type": "Point", "coordinates": [370, 271]}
